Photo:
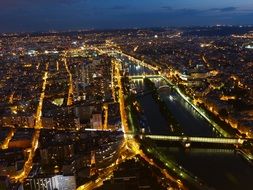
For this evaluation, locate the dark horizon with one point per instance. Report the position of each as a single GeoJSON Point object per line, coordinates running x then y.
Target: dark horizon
{"type": "Point", "coordinates": [63, 15]}
{"type": "Point", "coordinates": [51, 31]}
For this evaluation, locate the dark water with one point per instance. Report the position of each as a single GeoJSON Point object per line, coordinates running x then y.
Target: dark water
{"type": "Point", "coordinates": [3, 133]}
{"type": "Point", "coordinates": [219, 168]}
{"type": "Point", "coordinates": [156, 122]}
{"type": "Point", "coordinates": [138, 70]}
{"type": "Point", "coordinates": [191, 123]}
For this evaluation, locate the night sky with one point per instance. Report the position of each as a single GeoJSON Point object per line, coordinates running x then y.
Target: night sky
{"type": "Point", "coordinates": [44, 15]}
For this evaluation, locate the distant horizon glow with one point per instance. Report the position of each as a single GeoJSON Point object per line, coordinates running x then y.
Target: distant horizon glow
{"type": "Point", "coordinates": [62, 15]}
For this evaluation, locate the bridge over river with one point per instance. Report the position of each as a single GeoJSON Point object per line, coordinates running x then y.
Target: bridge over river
{"type": "Point", "coordinates": [215, 140]}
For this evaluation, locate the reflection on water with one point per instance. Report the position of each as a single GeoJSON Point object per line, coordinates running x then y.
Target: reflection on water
{"type": "Point", "coordinates": [156, 123]}
{"type": "Point", "coordinates": [191, 123]}
{"type": "Point", "coordinates": [223, 169]}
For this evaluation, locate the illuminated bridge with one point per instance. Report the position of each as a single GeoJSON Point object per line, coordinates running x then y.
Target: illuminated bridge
{"type": "Point", "coordinates": [164, 87]}
{"type": "Point", "coordinates": [141, 77]}
{"type": "Point", "coordinates": [238, 141]}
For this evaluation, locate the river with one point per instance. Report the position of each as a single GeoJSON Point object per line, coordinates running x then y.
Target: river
{"type": "Point", "coordinates": [222, 169]}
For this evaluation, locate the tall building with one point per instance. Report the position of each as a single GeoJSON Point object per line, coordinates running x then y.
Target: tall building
{"type": "Point", "coordinates": [58, 182]}
{"type": "Point", "coordinates": [96, 121]}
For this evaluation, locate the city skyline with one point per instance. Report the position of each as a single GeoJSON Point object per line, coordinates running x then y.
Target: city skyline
{"type": "Point", "coordinates": [117, 94]}
{"type": "Point", "coordinates": [29, 16]}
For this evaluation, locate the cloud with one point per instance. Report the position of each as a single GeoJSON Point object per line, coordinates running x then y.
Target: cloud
{"type": "Point", "coordinates": [186, 11]}
{"type": "Point", "coordinates": [169, 8]}
{"type": "Point", "coordinates": [189, 11]}
{"type": "Point", "coordinates": [182, 12]}
{"type": "Point", "coordinates": [224, 9]}
{"type": "Point", "coordinates": [29, 15]}
{"type": "Point", "coordinates": [21, 3]}
{"type": "Point", "coordinates": [227, 9]}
